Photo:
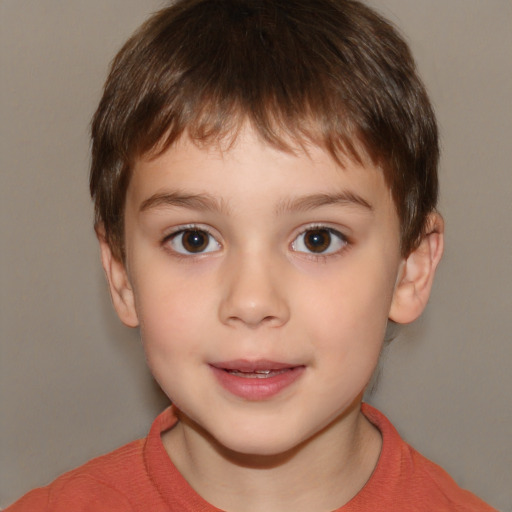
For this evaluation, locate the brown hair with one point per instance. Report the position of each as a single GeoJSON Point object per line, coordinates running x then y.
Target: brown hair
{"type": "Point", "coordinates": [330, 72]}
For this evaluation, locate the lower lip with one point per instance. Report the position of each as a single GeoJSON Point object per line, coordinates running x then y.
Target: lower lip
{"type": "Point", "coordinates": [257, 388]}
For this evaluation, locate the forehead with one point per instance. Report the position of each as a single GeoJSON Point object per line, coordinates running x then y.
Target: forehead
{"type": "Point", "coordinates": [247, 167]}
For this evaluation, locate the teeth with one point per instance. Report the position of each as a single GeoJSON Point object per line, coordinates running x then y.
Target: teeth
{"type": "Point", "coordinates": [256, 374]}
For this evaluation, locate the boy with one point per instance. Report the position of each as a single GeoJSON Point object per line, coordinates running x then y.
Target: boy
{"type": "Point", "coordinates": [264, 175]}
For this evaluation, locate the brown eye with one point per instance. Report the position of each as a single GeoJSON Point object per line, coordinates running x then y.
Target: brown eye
{"type": "Point", "coordinates": [319, 241]}
{"type": "Point", "coordinates": [193, 241]}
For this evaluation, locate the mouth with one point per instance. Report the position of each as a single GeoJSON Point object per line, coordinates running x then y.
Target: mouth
{"type": "Point", "coordinates": [256, 380]}
{"type": "Point", "coordinates": [254, 369]}
{"type": "Point", "coordinates": [257, 374]}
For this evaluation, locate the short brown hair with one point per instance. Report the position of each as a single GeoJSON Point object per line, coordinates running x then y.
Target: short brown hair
{"type": "Point", "coordinates": [330, 72]}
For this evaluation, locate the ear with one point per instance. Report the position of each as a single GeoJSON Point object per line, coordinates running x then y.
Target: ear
{"type": "Point", "coordinates": [416, 274]}
{"type": "Point", "coordinates": [120, 288]}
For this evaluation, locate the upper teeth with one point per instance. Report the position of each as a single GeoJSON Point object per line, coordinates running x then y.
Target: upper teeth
{"type": "Point", "coordinates": [263, 372]}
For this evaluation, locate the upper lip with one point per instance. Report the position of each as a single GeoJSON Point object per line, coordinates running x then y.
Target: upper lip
{"type": "Point", "coordinates": [245, 365]}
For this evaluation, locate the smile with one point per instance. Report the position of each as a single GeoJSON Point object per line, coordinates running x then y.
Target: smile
{"type": "Point", "coordinates": [256, 380]}
{"type": "Point", "coordinates": [257, 374]}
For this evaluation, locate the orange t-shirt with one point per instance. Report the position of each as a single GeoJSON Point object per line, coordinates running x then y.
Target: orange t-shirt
{"type": "Point", "coordinates": [140, 477]}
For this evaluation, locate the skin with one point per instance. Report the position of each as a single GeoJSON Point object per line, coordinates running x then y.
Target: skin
{"type": "Point", "coordinates": [257, 291]}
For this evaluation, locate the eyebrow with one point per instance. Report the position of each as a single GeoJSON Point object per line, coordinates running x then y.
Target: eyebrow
{"type": "Point", "coordinates": [207, 202]}
{"type": "Point", "coordinates": [201, 202]}
{"type": "Point", "coordinates": [310, 202]}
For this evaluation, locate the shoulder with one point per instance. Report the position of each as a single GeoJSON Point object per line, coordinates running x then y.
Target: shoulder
{"type": "Point", "coordinates": [409, 481]}
{"type": "Point", "coordinates": [99, 485]}
{"type": "Point", "coordinates": [426, 479]}
{"type": "Point", "coordinates": [120, 481]}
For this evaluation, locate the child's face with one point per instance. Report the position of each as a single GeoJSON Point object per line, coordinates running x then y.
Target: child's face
{"type": "Point", "coordinates": [262, 282]}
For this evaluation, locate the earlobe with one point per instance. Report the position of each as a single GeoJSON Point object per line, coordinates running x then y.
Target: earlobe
{"type": "Point", "coordinates": [120, 288]}
{"type": "Point", "coordinates": [416, 274]}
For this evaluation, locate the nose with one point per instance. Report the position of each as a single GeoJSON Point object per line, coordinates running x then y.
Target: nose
{"type": "Point", "coordinates": [254, 292]}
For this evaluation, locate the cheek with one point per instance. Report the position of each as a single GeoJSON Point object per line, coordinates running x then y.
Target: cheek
{"type": "Point", "coordinates": [170, 344]}
{"type": "Point", "coordinates": [172, 316]}
{"type": "Point", "coordinates": [349, 314]}
{"type": "Point", "coordinates": [347, 336]}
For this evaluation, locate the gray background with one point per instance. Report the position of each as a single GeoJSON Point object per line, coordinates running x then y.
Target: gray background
{"type": "Point", "coordinates": [72, 380]}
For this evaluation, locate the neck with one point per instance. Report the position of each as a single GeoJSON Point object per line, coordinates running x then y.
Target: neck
{"type": "Point", "coordinates": [320, 475]}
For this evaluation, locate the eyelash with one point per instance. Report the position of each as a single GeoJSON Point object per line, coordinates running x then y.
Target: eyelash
{"type": "Point", "coordinates": [342, 242]}
{"type": "Point", "coordinates": [183, 230]}
{"type": "Point", "coordinates": [298, 245]}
